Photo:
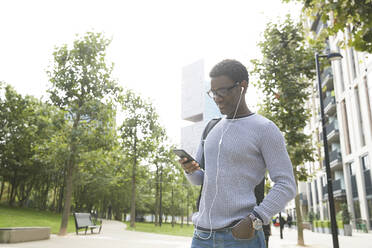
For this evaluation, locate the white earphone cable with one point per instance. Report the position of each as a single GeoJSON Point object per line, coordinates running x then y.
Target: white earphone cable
{"type": "Point", "coordinates": [217, 172]}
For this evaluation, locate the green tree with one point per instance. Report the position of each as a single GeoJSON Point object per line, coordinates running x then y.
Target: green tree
{"type": "Point", "coordinates": [138, 133]}
{"type": "Point", "coordinates": [346, 13]}
{"type": "Point", "coordinates": [81, 85]}
{"type": "Point", "coordinates": [18, 132]}
{"type": "Point", "coordinates": [49, 152]}
{"type": "Point", "coordinates": [284, 75]}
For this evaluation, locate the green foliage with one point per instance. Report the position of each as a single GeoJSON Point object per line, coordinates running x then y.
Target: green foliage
{"type": "Point", "coordinates": [345, 214]}
{"type": "Point", "coordinates": [81, 85]}
{"type": "Point", "coordinates": [345, 14]}
{"type": "Point", "coordinates": [315, 223]}
{"type": "Point", "coordinates": [71, 145]}
{"type": "Point", "coordinates": [340, 224]}
{"type": "Point", "coordinates": [27, 162]}
{"type": "Point", "coordinates": [284, 74]}
{"type": "Point", "coordinates": [327, 224]}
{"type": "Point", "coordinates": [310, 216]}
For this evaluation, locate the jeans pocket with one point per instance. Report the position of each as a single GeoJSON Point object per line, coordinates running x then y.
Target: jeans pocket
{"type": "Point", "coordinates": [203, 235]}
{"type": "Point", "coordinates": [243, 230]}
{"type": "Point", "coordinates": [242, 239]}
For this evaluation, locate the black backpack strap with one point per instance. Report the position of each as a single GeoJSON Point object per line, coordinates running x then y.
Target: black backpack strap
{"type": "Point", "coordinates": [207, 129]}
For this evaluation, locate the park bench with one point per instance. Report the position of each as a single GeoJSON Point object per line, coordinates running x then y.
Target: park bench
{"type": "Point", "coordinates": [84, 220]}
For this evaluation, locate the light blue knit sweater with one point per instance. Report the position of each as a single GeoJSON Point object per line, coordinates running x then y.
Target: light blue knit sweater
{"type": "Point", "coordinates": [250, 146]}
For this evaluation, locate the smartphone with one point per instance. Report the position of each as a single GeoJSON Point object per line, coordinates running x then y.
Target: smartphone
{"type": "Point", "coordinates": [183, 154]}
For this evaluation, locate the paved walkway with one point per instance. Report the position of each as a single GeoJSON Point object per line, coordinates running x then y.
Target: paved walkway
{"type": "Point", "coordinates": [318, 240]}
{"type": "Point", "coordinates": [114, 235]}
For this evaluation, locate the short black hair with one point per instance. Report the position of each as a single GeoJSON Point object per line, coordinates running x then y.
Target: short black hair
{"type": "Point", "coordinates": [230, 68]}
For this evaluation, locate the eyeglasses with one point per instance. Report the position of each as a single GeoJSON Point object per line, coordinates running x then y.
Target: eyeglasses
{"type": "Point", "coordinates": [221, 92]}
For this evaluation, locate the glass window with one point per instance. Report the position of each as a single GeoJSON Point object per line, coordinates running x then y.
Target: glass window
{"type": "Point", "coordinates": [368, 102]}
{"type": "Point", "coordinates": [345, 123]}
{"type": "Point", "coordinates": [325, 211]}
{"type": "Point", "coordinates": [360, 117]}
{"type": "Point", "coordinates": [357, 209]}
{"type": "Point", "coordinates": [352, 168]}
{"type": "Point", "coordinates": [342, 81]}
{"type": "Point", "coordinates": [369, 204]}
{"type": "Point", "coordinates": [353, 64]}
{"type": "Point", "coordinates": [365, 163]}
{"type": "Point", "coordinates": [316, 191]}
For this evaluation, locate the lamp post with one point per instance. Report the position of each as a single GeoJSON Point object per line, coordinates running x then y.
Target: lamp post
{"type": "Point", "coordinates": [331, 57]}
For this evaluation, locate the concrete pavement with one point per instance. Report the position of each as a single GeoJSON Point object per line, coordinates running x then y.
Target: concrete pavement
{"type": "Point", "coordinates": [114, 235]}
{"type": "Point", "coordinates": [318, 240]}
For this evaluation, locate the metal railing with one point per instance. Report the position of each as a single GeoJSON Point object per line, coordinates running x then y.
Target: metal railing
{"type": "Point", "coordinates": [354, 187]}
{"type": "Point", "coordinates": [326, 75]}
{"type": "Point", "coordinates": [367, 182]}
{"type": "Point", "coordinates": [331, 127]}
{"type": "Point", "coordinates": [336, 185]}
{"type": "Point", "coordinates": [335, 156]}
{"type": "Point", "coordinates": [329, 100]}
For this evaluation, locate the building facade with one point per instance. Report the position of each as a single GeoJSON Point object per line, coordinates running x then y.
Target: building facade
{"type": "Point", "coordinates": [197, 107]}
{"type": "Point", "coordinates": [347, 96]}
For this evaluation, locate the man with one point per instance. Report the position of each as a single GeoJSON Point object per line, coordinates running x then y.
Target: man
{"type": "Point", "coordinates": [289, 220]}
{"type": "Point", "coordinates": [237, 152]}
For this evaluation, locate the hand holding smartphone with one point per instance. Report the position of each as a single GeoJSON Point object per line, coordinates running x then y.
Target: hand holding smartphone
{"type": "Point", "coordinates": [190, 165]}
{"type": "Point", "coordinates": [183, 154]}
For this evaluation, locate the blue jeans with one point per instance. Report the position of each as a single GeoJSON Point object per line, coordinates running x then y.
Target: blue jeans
{"type": "Point", "coordinates": [224, 239]}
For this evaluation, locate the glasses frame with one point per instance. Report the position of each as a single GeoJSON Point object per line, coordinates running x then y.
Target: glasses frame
{"type": "Point", "coordinates": [213, 93]}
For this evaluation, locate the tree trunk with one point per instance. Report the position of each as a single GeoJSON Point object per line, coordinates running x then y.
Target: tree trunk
{"type": "Point", "coordinates": [2, 189]}
{"type": "Point", "coordinates": [24, 194]}
{"type": "Point", "coordinates": [182, 217]}
{"type": "Point", "coordinates": [60, 198]}
{"type": "Point", "coordinates": [69, 179]}
{"type": "Point", "coordinates": [157, 196]}
{"type": "Point", "coordinates": [54, 205]}
{"type": "Point", "coordinates": [160, 197]}
{"type": "Point", "coordinates": [300, 230]}
{"type": "Point", "coordinates": [8, 195]}
{"type": "Point", "coordinates": [45, 197]}
{"type": "Point", "coordinates": [67, 198]}
{"type": "Point", "coordinates": [12, 195]}
{"type": "Point", "coordinates": [188, 207]}
{"type": "Point", "coordinates": [13, 189]}
{"type": "Point", "coordinates": [133, 199]}
{"type": "Point", "coordinates": [172, 207]}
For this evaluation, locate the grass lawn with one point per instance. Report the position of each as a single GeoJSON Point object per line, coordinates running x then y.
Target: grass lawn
{"type": "Point", "coordinates": [22, 217]}
{"type": "Point", "coordinates": [164, 229]}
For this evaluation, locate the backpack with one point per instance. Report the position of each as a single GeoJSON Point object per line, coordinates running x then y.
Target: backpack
{"type": "Point", "coordinates": [259, 190]}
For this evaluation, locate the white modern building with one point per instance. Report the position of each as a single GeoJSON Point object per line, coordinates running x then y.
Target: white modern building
{"type": "Point", "coordinates": [347, 97]}
{"type": "Point", "coordinates": [197, 107]}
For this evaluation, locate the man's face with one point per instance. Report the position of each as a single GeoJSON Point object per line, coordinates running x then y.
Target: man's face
{"type": "Point", "coordinates": [228, 102]}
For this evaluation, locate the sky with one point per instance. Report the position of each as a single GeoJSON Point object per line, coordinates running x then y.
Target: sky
{"type": "Point", "coordinates": [151, 42]}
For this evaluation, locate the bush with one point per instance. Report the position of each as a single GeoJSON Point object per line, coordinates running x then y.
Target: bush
{"type": "Point", "coordinates": [345, 214]}
{"type": "Point", "coordinates": [340, 224]}
{"type": "Point", "coordinates": [316, 223]}
{"type": "Point", "coordinates": [310, 216]}
{"type": "Point", "coordinates": [327, 224]}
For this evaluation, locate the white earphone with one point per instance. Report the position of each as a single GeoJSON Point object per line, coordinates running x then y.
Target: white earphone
{"type": "Point", "coordinates": [218, 168]}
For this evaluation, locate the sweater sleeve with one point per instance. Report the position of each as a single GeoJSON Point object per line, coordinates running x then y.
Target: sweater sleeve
{"type": "Point", "coordinates": [197, 177]}
{"type": "Point", "coordinates": [275, 155]}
